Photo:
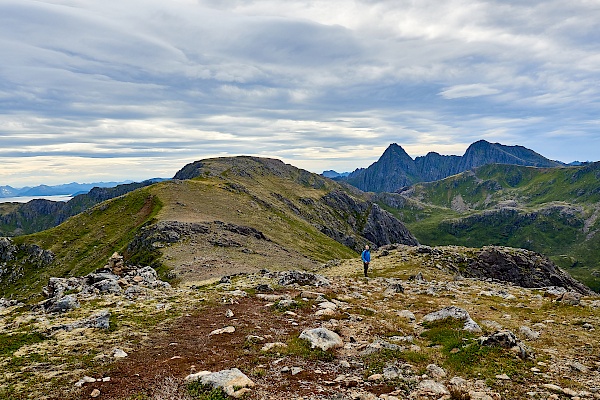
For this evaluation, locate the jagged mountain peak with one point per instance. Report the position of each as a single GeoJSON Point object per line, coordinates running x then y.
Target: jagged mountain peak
{"type": "Point", "coordinates": [396, 169]}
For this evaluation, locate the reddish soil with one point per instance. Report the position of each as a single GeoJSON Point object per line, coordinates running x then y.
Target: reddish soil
{"type": "Point", "coordinates": [186, 346]}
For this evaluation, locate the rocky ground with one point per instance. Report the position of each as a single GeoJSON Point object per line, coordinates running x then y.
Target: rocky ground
{"type": "Point", "coordinates": [415, 329]}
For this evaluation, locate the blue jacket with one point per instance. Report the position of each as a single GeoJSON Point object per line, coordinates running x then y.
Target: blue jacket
{"type": "Point", "coordinates": [366, 256]}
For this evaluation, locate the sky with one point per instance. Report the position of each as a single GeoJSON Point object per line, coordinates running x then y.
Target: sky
{"type": "Point", "coordinates": [133, 89]}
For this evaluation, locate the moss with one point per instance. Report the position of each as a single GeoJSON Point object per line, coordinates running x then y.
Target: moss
{"type": "Point", "coordinates": [200, 391]}
{"type": "Point", "coordinates": [301, 348]}
{"type": "Point", "coordinates": [11, 343]}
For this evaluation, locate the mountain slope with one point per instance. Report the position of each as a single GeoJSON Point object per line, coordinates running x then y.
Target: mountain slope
{"type": "Point", "coordinates": [40, 214]}
{"type": "Point", "coordinates": [395, 169]}
{"type": "Point", "coordinates": [554, 211]}
{"type": "Point", "coordinates": [229, 215]}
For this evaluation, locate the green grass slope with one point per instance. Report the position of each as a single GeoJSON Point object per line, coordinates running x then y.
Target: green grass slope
{"type": "Point", "coordinates": [84, 242]}
{"type": "Point", "coordinates": [554, 211]}
{"type": "Point", "coordinates": [306, 219]}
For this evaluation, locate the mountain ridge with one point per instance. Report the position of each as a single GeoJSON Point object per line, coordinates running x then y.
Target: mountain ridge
{"type": "Point", "coordinates": [396, 169]}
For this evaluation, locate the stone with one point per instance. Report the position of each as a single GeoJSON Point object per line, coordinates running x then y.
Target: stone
{"type": "Point", "coordinates": [296, 370]}
{"type": "Point", "coordinates": [118, 353]}
{"type": "Point", "coordinates": [456, 313]}
{"type": "Point", "coordinates": [302, 278]}
{"type": "Point", "coordinates": [286, 303]}
{"type": "Point", "coordinates": [270, 346]}
{"type": "Point", "coordinates": [229, 314]}
{"type": "Point", "coordinates": [328, 304]}
{"type": "Point", "coordinates": [227, 329]}
{"type": "Point", "coordinates": [407, 314]}
{"type": "Point", "coordinates": [64, 304]}
{"type": "Point", "coordinates": [108, 286]}
{"type": "Point", "coordinates": [503, 377]}
{"type": "Point", "coordinates": [579, 367]}
{"type": "Point", "coordinates": [84, 380]}
{"type": "Point", "coordinates": [95, 393]}
{"type": "Point", "coordinates": [529, 333]}
{"type": "Point", "coordinates": [417, 278]}
{"type": "Point", "coordinates": [310, 295]}
{"type": "Point", "coordinates": [264, 288]}
{"type": "Point", "coordinates": [459, 388]}
{"type": "Point", "coordinates": [571, 298]}
{"type": "Point", "coordinates": [322, 338]}
{"type": "Point", "coordinates": [506, 339]}
{"type": "Point", "coordinates": [229, 380]}
{"type": "Point", "coordinates": [325, 312]}
{"type": "Point", "coordinates": [99, 320]}
{"type": "Point", "coordinates": [436, 372]}
{"type": "Point", "coordinates": [272, 297]}
{"type": "Point", "coordinates": [429, 388]}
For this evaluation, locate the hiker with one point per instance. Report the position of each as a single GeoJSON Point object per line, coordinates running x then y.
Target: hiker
{"type": "Point", "coordinates": [366, 258]}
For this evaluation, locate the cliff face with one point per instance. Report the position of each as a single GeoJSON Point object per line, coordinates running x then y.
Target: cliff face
{"type": "Point", "coordinates": [396, 169]}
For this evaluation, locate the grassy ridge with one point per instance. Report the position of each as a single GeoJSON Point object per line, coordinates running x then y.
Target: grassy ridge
{"type": "Point", "coordinates": [285, 205]}
{"type": "Point", "coordinates": [554, 211]}
{"type": "Point", "coordinates": [85, 241]}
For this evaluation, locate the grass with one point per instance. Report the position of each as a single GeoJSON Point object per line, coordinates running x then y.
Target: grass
{"type": "Point", "coordinates": [301, 348]}
{"type": "Point", "coordinates": [11, 343]}
{"type": "Point", "coordinates": [200, 391]}
{"type": "Point", "coordinates": [552, 207]}
{"type": "Point", "coordinates": [84, 242]}
{"type": "Point", "coordinates": [463, 355]}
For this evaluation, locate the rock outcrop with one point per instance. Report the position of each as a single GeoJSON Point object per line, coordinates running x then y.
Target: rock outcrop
{"type": "Point", "coordinates": [522, 267]}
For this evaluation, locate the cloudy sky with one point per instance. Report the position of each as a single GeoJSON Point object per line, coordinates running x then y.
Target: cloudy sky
{"type": "Point", "coordinates": [134, 89]}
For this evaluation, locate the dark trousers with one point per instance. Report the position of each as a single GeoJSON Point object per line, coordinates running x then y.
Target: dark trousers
{"type": "Point", "coordinates": [366, 267]}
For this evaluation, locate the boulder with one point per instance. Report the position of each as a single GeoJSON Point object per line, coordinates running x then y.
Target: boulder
{"type": "Point", "coordinates": [506, 339]}
{"type": "Point", "coordinates": [302, 278]}
{"type": "Point", "coordinates": [233, 381]}
{"type": "Point", "coordinates": [322, 338]}
{"type": "Point", "coordinates": [571, 298]}
{"type": "Point", "coordinates": [429, 389]}
{"type": "Point", "coordinates": [64, 304]}
{"type": "Point", "coordinates": [108, 286]}
{"type": "Point", "coordinates": [456, 313]}
{"type": "Point", "coordinates": [99, 320]}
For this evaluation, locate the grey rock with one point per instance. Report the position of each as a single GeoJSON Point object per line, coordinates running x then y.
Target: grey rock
{"type": "Point", "coordinates": [522, 267]}
{"type": "Point", "coordinates": [6, 303]}
{"type": "Point", "coordinates": [456, 313]}
{"type": "Point", "coordinates": [407, 314]}
{"type": "Point", "coordinates": [529, 333]}
{"type": "Point", "coordinates": [436, 372]}
{"type": "Point", "coordinates": [99, 320]}
{"type": "Point", "coordinates": [430, 388]}
{"type": "Point", "coordinates": [506, 339]}
{"type": "Point", "coordinates": [64, 304]}
{"type": "Point", "coordinates": [302, 278]}
{"type": "Point", "coordinates": [571, 298]}
{"type": "Point", "coordinates": [264, 288]}
{"type": "Point", "coordinates": [379, 345]}
{"type": "Point", "coordinates": [322, 338]}
{"type": "Point", "coordinates": [134, 291]}
{"type": "Point", "coordinates": [108, 286]}
{"type": "Point", "coordinates": [229, 380]}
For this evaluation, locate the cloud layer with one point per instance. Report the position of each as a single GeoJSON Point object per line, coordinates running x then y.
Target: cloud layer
{"type": "Point", "coordinates": [135, 89]}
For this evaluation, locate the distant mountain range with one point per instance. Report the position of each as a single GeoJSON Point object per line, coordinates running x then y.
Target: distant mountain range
{"type": "Point", "coordinates": [395, 169]}
{"type": "Point", "coordinates": [72, 189]}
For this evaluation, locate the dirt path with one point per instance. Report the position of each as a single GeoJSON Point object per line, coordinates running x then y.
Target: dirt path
{"type": "Point", "coordinates": [187, 347]}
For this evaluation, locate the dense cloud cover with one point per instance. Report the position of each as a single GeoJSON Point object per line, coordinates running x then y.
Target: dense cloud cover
{"type": "Point", "coordinates": [135, 89]}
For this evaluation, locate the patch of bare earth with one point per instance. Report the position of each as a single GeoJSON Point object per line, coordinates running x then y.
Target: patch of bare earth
{"type": "Point", "coordinates": [187, 346]}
